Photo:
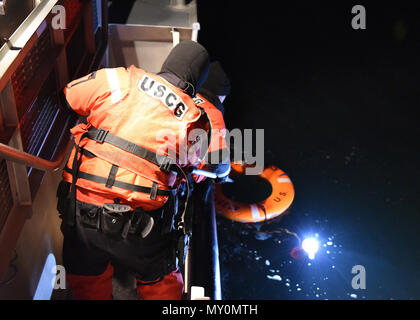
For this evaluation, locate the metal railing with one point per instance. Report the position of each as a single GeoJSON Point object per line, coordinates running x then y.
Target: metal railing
{"type": "Point", "coordinates": [15, 155]}
{"type": "Point", "coordinates": [22, 35]}
{"type": "Point", "coordinates": [49, 151]}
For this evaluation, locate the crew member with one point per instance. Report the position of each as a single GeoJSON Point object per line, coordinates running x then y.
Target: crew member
{"type": "Point", "coordinates": [118, 199]}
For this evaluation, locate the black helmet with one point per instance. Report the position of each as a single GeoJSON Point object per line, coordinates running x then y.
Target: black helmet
{"type": "Point", "coordinates": [189, 63]}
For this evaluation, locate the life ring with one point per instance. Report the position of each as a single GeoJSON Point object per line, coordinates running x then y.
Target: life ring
{"type": "Point", "coordinates": [273, 205]}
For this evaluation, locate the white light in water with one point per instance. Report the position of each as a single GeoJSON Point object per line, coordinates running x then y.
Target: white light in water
{"type": "Point", "coordinates": [311, 246]}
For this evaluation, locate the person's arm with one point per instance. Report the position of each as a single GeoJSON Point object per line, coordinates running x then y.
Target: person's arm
{"type": "Point", "coordinates": [218, 156]}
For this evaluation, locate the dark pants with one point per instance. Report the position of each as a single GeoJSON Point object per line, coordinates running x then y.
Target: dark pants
{"type": "Point", "coordinates": [88, 255]}
{"type": "Point", "coordinates": [149, 259]}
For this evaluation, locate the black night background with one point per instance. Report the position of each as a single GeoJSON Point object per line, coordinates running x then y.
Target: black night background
{"type": "Point", "coordinates": [339, 109]}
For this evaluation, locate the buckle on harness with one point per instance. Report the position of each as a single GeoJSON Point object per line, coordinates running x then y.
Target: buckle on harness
{"type": "Point", "coordinates": [166, 164]}
{"type": "Point", "coordinates": [101, 135]}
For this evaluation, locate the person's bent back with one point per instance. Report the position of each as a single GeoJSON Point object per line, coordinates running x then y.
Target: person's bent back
{"type": "Point", "coordinates": [118, 199]}
{"type": "Point", "coordinates": [141, 108]}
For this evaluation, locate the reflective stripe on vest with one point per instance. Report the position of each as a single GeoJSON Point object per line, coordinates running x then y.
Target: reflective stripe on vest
{"type": "Point", "coordinates": [114, 85]}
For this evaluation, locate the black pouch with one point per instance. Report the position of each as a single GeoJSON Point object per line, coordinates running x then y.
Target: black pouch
{"type": "Point", "coordinates": [141, 223]}
{"type": "Point", "coordinates": [114, 219]}
{"type": "Point", "coordinates": [112, 224]}
{"type": "Point", "coordinates": [89, 215]}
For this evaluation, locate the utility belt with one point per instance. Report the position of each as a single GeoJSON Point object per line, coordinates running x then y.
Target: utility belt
{"type": "Point", "coordinates": [113, 219]}
{"type": "Point", "coordinates": [117, 221]}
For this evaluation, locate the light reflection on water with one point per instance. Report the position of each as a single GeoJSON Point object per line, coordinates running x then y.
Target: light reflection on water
{"type": "Point", "coordinates": [263, 259]}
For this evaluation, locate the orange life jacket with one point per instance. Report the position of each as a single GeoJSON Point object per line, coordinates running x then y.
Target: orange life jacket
{"type": "Point", "coordinates": [133, 116]}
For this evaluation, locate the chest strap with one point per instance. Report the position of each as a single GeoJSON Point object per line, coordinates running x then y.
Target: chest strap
{"type": "Point", "coordinates": [123, 185]}
{"type": "Point", "coordinates": [165, 163]}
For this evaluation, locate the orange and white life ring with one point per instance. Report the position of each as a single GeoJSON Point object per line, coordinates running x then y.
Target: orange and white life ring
{"type": "Point", "coordinates": [277, 203]}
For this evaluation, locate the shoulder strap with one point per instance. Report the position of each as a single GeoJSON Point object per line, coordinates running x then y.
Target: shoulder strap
{"type": "Point", "coordinates": [165, 163]}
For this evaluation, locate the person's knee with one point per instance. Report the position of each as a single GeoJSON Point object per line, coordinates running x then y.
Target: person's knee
{"type": "Point", "coordinates": [91, 287]}
{"type": "Point", "coordinates": [170, 287]}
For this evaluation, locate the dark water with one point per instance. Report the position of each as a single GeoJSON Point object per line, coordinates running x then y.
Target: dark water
{"type": "Point", "coordinates": [339, 109]}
